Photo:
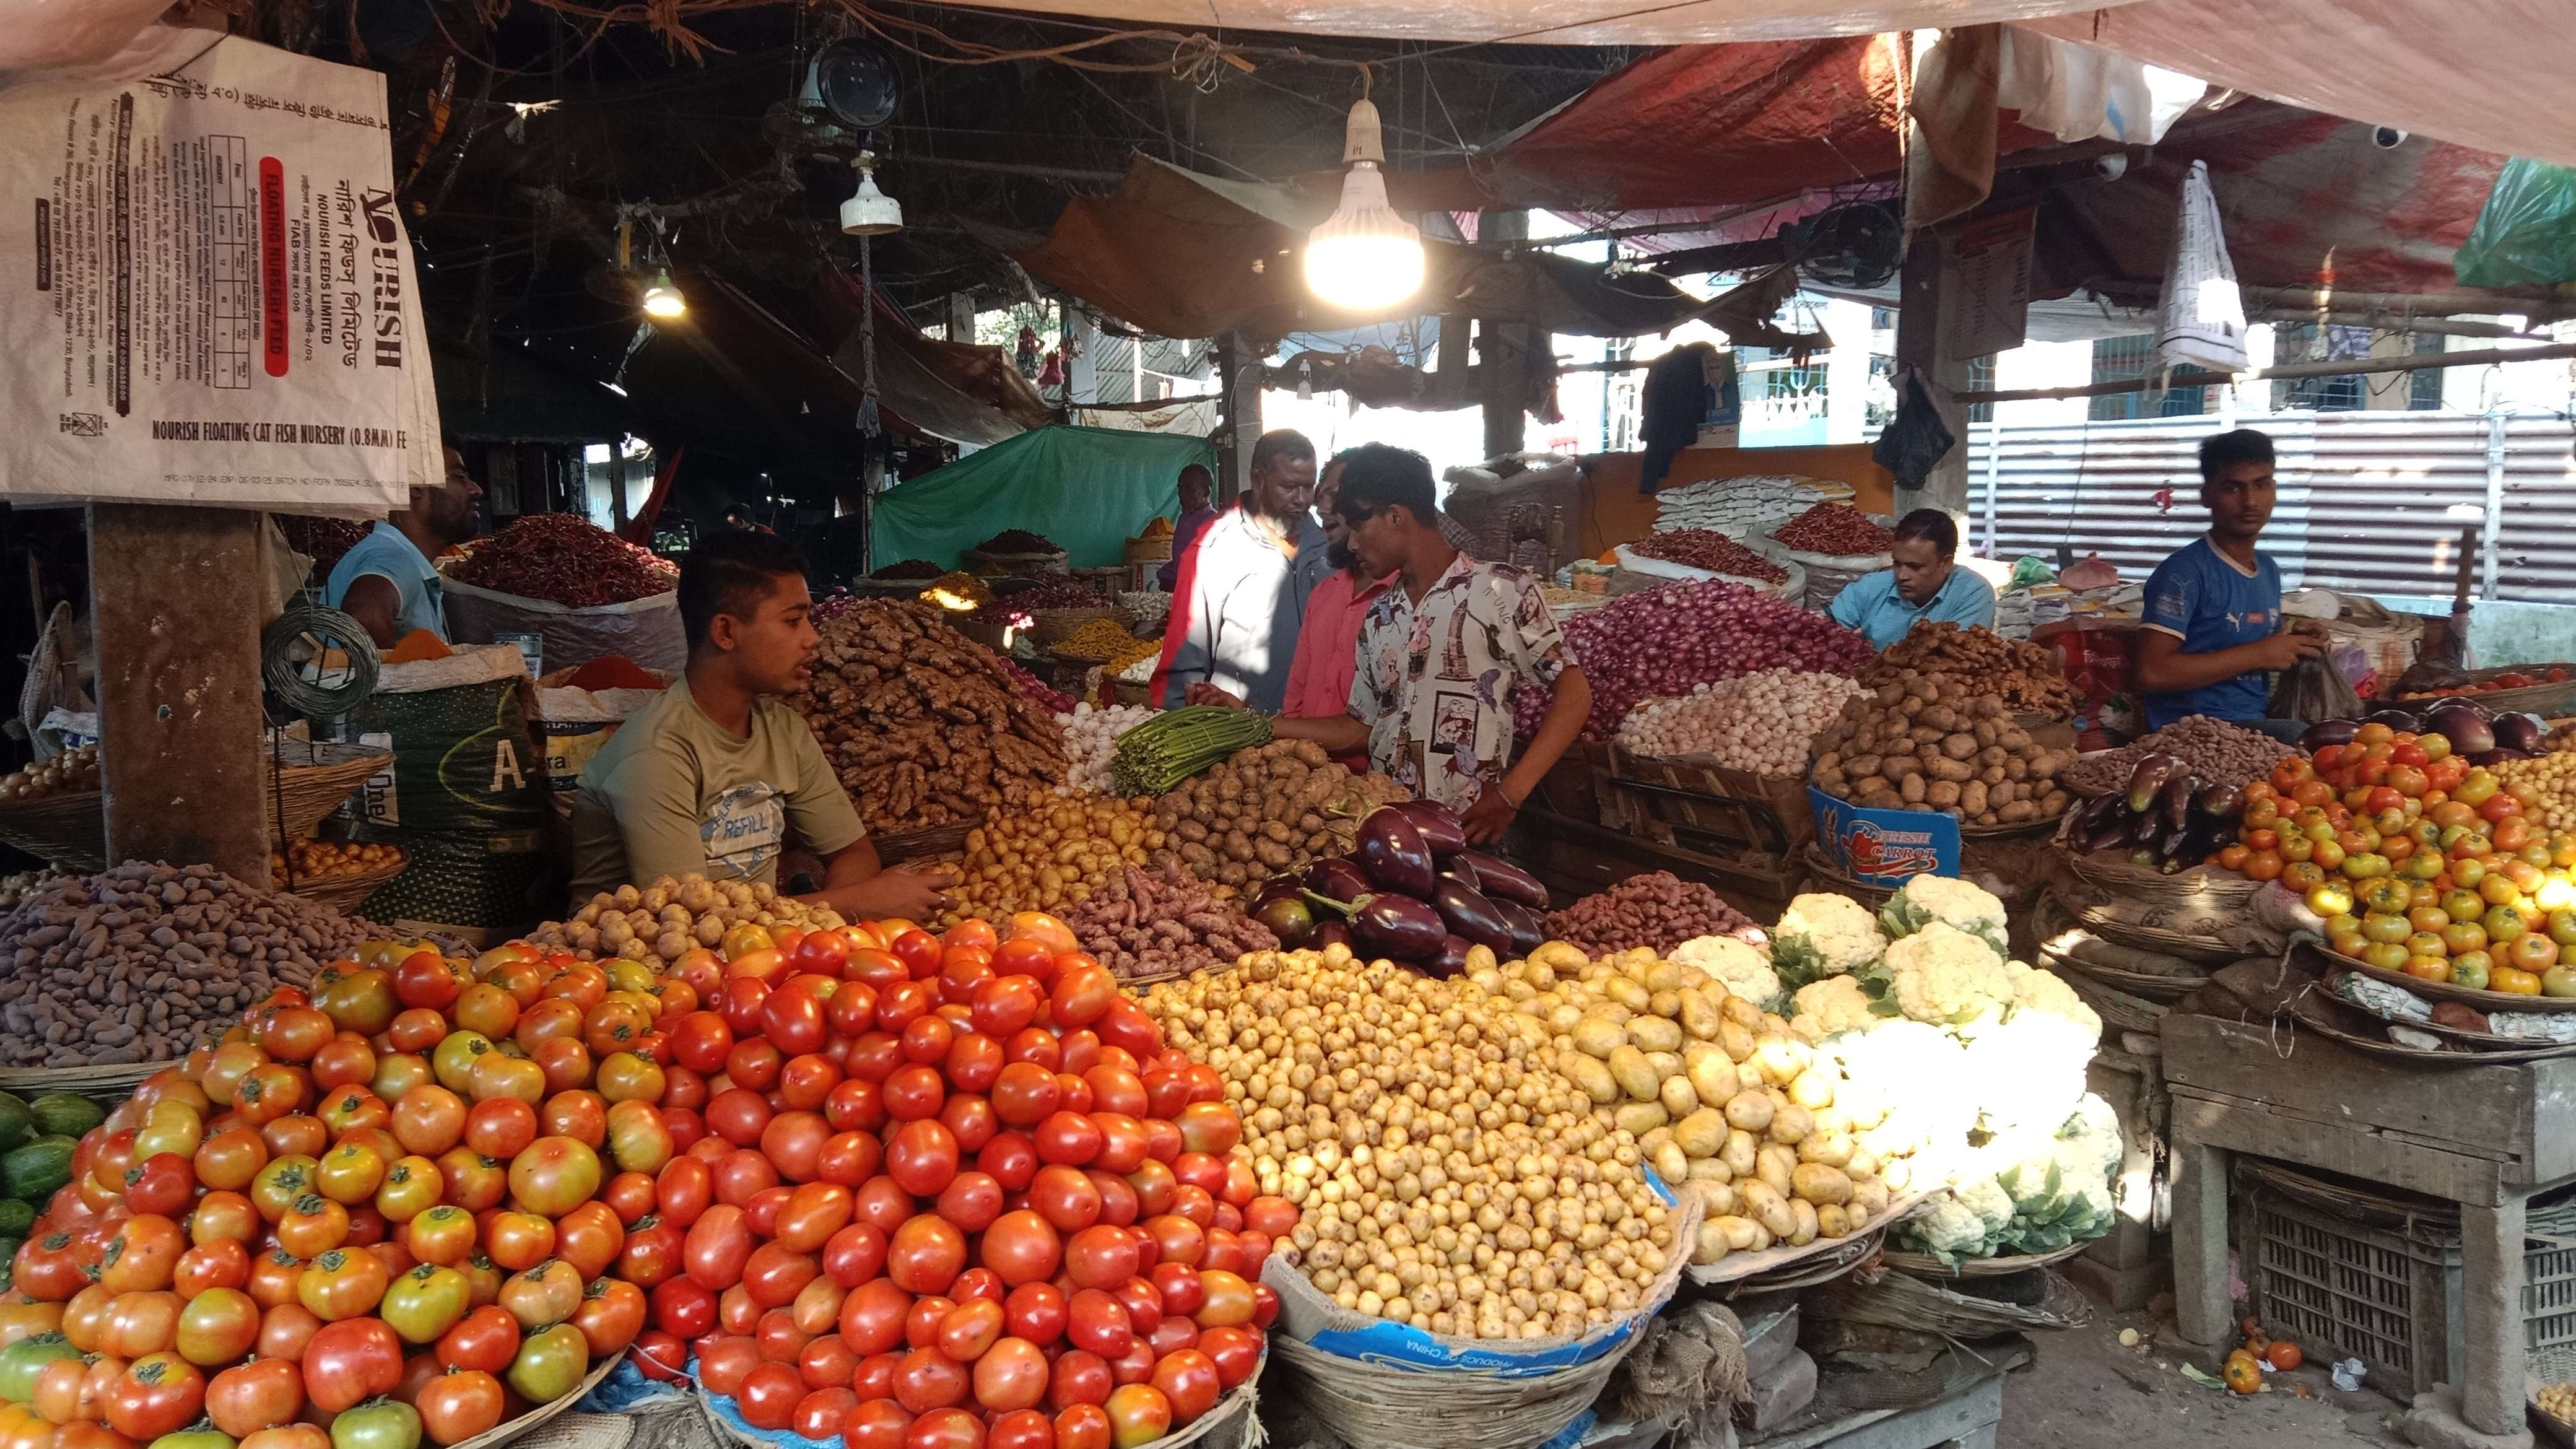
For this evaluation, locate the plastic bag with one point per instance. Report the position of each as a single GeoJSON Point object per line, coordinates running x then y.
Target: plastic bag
{"type": "Point", "coordinates": [2526, 233]}
{"type": "Point", "coordinates": [2029, 572]}
{"type": "Point", "coordinates": [2314, 689]}
{"type": "Point", "coordinates": [1917, 440]}
{"type": "Point", "coordinates": [2425, 676]}
{"type": "Point", "coordinates": [2200, 316]}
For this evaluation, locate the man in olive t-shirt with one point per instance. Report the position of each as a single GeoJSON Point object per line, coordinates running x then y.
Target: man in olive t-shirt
{"type": "Point", "coordinates": [710, 776]}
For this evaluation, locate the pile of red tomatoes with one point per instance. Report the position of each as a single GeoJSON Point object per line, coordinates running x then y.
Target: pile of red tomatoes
{"type": "Point", "coordinates": [381, 1212]}
{"type": "Point", "coordinates": [946, 1193]}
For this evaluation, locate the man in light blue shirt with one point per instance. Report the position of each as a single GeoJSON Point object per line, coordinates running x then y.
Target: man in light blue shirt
{"type": "Point", "coordinates": [386, 582]}
{"type": "Point", "coordinates": [1926, 583]}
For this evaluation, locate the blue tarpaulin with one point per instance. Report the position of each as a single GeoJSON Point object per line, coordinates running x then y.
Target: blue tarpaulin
{"type": "Point", "coordinates": [1088, 489]}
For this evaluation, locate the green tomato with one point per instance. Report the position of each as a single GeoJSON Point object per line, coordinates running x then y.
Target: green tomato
{"type": "Point", "coordinates": [195, 1439]}
{"type": "Point", "coordinates": [377, 1424]}
{"type": "Point", "coordinates": [550, 1365]}
{"type": "Point", "coordinates": [426, 1302]}
{"type": "Point", "coordinates": [20, 1362]}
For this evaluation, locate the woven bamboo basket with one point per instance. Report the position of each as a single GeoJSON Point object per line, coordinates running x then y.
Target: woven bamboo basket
{"type": "Point", "coordinates": [102, 1082]}
{"type": "Point", "coordinates": [1150, 550]}
{"type": "Point", "coordinates": [1132, 693]}
{"type": "Point", "coordinates": [537, 1417]}
{"type": "Point", "coordinates": [68, 830]}
{"type": "Point", "coordinates": [306, 781]}
{"type": "Point", "coordinates": [1924, 1265]}
{"type": "Point", "coordinates": [1048, 625]}
{"type": "Point", "coordinates": [342, 893]}
{"type": "Point", "coordinates": [927, 841]}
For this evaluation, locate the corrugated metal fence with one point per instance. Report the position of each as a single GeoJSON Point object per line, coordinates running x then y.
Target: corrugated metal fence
{"type": "Point", "coordinates": [2367, 500]}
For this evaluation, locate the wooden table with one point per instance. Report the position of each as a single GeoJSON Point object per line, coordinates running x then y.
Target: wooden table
{"type": "Point", "coordinates": [2486, 1138]}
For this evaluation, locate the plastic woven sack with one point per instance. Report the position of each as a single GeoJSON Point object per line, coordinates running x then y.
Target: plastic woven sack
{"type": "Point", "coordinates": [2314, 689]}
{"type": "Point", "coordinates": [2526, 233]}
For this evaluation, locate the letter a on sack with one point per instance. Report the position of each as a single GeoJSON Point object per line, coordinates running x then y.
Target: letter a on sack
{"type": "Point", "coordinates": [505, 768]}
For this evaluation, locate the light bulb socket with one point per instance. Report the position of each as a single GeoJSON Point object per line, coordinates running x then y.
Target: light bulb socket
{"type": "Point", "coordinates": [1362, 138]}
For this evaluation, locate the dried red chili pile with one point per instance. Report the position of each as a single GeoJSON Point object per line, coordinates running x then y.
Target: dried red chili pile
{"type": "Point", "coordinates": [565, 560]}
{"type": "Point", "coordinates": [1834, 528]}
{"type": "Point", "coordinates": [1065, 594]}
{"type": "Point", "coordinates": [1706, 548]}
{"type": "Point", "coordinates": [321, 539]}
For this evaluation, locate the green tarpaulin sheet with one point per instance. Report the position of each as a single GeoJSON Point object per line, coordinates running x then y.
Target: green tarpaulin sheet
{"type": "Point", "coordinates": [1089, 489]}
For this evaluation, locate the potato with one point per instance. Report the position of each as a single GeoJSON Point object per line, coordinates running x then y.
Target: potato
{"type": "Point", "coordinates": [1734, 1037]}
{"type": "Point", "coordinates": [1870, 1197]}
{"type": "Point", "coordinates": [1673, 1165]}
{"type": "Point", "coordinates": [1589, 1074]}
{"type": "Point", "coordinates": [1781, 1060]}
{"type": "Point", "coordinates": [1639, 1118]}
{"type": "Point", "coordinates": [1559, 956]}
{"type": "Point", "coordinates": [1790, 1124]}
{"type": "Point", "coordinates": [1832, 1222]}
{"type": "Point", "coordinates": [1700, 1017]}
{"type": "Point", "coordinates": [1716, 1198]}
{"type": "Point", "coordinates": [1637, 1076]}
{"type": "Point", "coordinates": [1598, 1035]}
{"type": "Point", "coordinates": [1861, 1164]}
{"type": "Point", "coordinates": [1818, 1183]}
{"type": "Point", "coordinates": [1712, 1077]}
{"type": "Point", "coordinates": [1737, 1233]}
{"type": "Point", "coordinates": [1647, 1144]}
{"type": "Point", "coordinates": [1746, 1014]}
{"type": "Point", "coordinates": [1777, 1166]}
{"type": "Point", "coordinates": [1628, 993]}
{"type": "Point", "coordinates": [1855, 1217]}
{"type": "Point", "coordinates": [1911, 790]}
{"type": "Point", "coordinates": [1711, 1169]}
{"type": "Point", "coordinates": [1701, 1133]}
{"type": "Point", "coordinates": [1749, 1111]}
{"type": "Point", "coordinates": [1677, 1096]}
{"type": "Point", "coordinates": [1804, 1222]}
{"type": "Point", "coordinates": [1666, 1006]}
{"type": "Point", "coordinates": [1666, 976]}
{"type": "Point", "coordinates": [1667, 1065]}
{"type": "Point", "coordinates": [1814, 1088]}
{"type": "Point", "coordinates": [1833, 1149]}
{"type": "Point", "coordinates": [1742, 1153]}
{"type": "Point", "coordinates": [1768, 1207]}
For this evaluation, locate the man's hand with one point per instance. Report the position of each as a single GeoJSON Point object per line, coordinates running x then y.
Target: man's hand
{"type": "Point", "coordinates": [914, 895]}
{"type": "Point", "coordinates": [1490, 816]}
{"type": "Point", "coordinates": [2287, 648]}
{"type": "Point", "coordinates": [1210, 694]}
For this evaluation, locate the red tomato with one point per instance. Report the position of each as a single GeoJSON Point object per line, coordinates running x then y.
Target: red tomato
{"type": "Point", "coordinates": [792, 1020]}
{"type": "Point", "coordinates": [738, 1115]}
{"type": "Point", "coordinates": [1188, 1380]}
{"type": "Point", "coordinates": [922, 1158]}
{"type": "Point", "coordinates": [1097, 1322]}
{"type": "Point", "coordinates": [1118, 1201]}
{"type": "Point", "coordinates": [972, 1201]}
{"type": "Point", "coordinates": [881, 1204]}
{"type": "Point", "coordinates": [683, 1309]}
{"type": "Point", "coordinates": [249, 1398]}
{"type": "Point", "coordinates": [1069, 1138]}
{"type": "Point", "coordinates": [1100, 1257]}
{"type": "Point", "coordinates": [1083, 1426]}
{"type": "Point", "coordinates": [774, 1274]}
{"type": "Point", "coordinates": [1011, 1373]}
{"type": "Point", "coordinates": [1035, 1045]}
{"type": "Point", "coordinates": [486, 1339]}
{"type": "Point", "coordinates": [1236, 1352]}
{"type": "Point", "coordinates": [742, 1175]}
{"type": "Point", "coordinates": [1139, 1414]}
{"type": "Point", "coordinates": [1080, 1377]}
{"type": "Point", "coordinates": [827, 1362]}
{"type": "Point", "coordinates": [700, 1040]}
{"type": "Point", "coordinates": [854, 1254]}
{"type": "Point", "coordinates": [849, 1158]}
{"type": "Point", "coordinates": [1065, 1197]}
{"type": "Point", "coordinates": [717, 1247]}
{"type": "Point", "coordinates": [927, 1379]}
{"type": "Point", "coordinates": [806, 1083]}
{"type": "Point", "coordinates": [724, 1362]}
{"type": "Point", "coordinates": [872, 1317]}
{"type": "Point", "coordinates": [969, 1118]}
{"type": "Point", "coordinates": [350, 1361]}
{"type": "Point", "coordinates": [156, 1394]}
{"type": "Point", "coordinates": [1020, 1429]}
{"type": "Point", "coordinates": [914, 1092]}
{"type": "Point", "coordinates": [969, 1329]}
{"type": "Point", "coordinates": [768, 1396]}
{"type": "Point", "coordinates": [1036, 1312]}
{"type": "Point", "coordinates": [876, 1423]}
{"type": "Point", "coordinates": [793, 1141]}
{"type": "Point", "coordinates": [820, 1414]}
{"type": "Point", "coordinates": [1082, 995]}
{"type": "Point", "coordinates": [926, 1254]}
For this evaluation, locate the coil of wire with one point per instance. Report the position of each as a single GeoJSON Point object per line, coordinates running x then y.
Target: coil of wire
{"type": "Point", "coordinates": [295, 663]}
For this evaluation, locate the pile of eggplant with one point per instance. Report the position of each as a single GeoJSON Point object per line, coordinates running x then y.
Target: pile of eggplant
{"type": "Point", "coordinates": [1410, 891]}
{"type": "Point", "coordinates": [2167, 819]}
{"type": "Point", "coordinates": [2475, 735]}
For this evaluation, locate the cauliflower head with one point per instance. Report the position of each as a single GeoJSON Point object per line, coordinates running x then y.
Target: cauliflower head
{"type": "Point", "coordinates": [1961, 1223]}
{"type": "Point", "coordinates": [1948, 977]}
{"type": "Point", "coordinates": [1830, 1006]}
{"type": "Point", "coordinates": [1741, 969]}
{"type": "Point", "coordinates": [1962, 904]}
{"type": "Point", "coordinates": [2047, 992]}
{"type": "Point", "coordinates": [2026, 1072]}
{"type": "Point", "coordinates": [1824, 935]}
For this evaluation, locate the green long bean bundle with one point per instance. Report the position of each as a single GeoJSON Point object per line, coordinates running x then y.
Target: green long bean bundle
{"type": "Point", "coordinates": [1176, 744]}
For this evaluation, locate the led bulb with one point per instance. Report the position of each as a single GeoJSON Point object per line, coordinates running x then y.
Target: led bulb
{"type": "Point", "coordinates": [1364, 258]}
{"type": "Point", "coordinates": [662, 300]}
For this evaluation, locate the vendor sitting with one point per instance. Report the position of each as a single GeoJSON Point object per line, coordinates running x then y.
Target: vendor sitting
{"type": "Point", "coordinates": [2214, 628]}
{"type": "Point", "coordinates": [386, 581]}
{"type": "Point", "coordinates": [1925, 583]}
{"type": "Point", "coordinates": [708, 777]}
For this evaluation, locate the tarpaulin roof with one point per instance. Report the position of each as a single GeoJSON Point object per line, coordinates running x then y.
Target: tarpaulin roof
{"type": "Point", "coordinates": [1088, 489]}
{"type": "Point", "coordinates": [955, 390]}
{"type": "Point", "coordinates": [1702, 126]}
{"type": "Point", "coordinates": [1179, 254]}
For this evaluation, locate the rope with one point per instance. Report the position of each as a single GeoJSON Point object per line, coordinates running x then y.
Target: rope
{"type": "Point", "coordinates": [301, 636]}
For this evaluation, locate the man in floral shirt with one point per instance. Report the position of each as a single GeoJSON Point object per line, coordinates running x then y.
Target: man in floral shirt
{"type": "Point", "coordinates": [1441, 654]}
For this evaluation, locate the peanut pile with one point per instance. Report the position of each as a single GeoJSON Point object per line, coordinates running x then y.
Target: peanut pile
{"type": "Point", "coordinates": [921, 723]}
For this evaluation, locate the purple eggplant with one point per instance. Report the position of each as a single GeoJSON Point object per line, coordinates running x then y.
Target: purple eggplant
{"type": "Point", "coordinates": [1440, 826]}
{"type": "Point", "coordinates": [1278, 887]}
{"type": "Point", "coordinates": [1449, 960]}
{"type": "Point", "coordinates": [2328, 732]}
{"type": "Point", "coordinates": [1471, 915]}
{"type": "Point", "coordinates": [1329, 933]}
{"type": "Point", "coordinates": [1458, 873]}
{"type": "Point", "coordinates": [2498, 757]}
{"type": "Point", "coordinates": [2404, 721]}
{"type": "Point", "coordinates": [1528, 931]}
{"type": "Point", "coordinates": [1388, 924]}
{"type": "Point", "coordinates": [1290, 919]}
{"type": "Point", "coordinates": [2520, 731]}
{"type": "Point", "coordinates": [2466, 729]}
{"type": "Point", "coordinates": [1504, 881]}
{"type": "Point", "coordinates": [1391, 849]}
{"type": "Point", "coordinates": [1339, 878]}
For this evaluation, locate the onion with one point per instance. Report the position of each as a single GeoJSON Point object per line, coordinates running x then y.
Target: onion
{"type": "Point", "coordinates": [1669, 640]}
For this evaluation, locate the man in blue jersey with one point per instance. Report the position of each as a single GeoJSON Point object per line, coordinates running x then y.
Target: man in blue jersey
{"type": "Point", "coordinates": [387, 582]}
{"type": "Point", "coordinates": [2214, 631]}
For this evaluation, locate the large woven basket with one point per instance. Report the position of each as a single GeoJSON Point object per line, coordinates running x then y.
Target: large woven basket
{"type": "Point", "coordinates": [1003, 565]}
{"type": "Point", "coordinates": [1150, 550]}
{"type": "Point", "coordinates": [306, 781]}
{"type": "Point", "coordinates": [342, 893]}
{"type": "Point", "coordinates": [1048, 625]}
{"type": "Point", "coordinates": [930, 840]}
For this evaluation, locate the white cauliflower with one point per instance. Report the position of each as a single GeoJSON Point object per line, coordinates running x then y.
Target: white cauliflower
{"type": "Point", "coordinates": [1740, 968]}
{"type": "Point", "coordinates": [1824, 935]}
{"type": "Point", "coordinates": [1904, 1087]}
{"type": "Point", "coordinates": [1948, 977]}
{"type": "Point", "coordinates": [1962, 904]}
{"type": "Point", "coordinates": [2027, 1071]}
{"type": "Point", "coordinates": [1833, 1004]}
{"type": "Point", "coordinates": [2045, 991]}
{"type": "Point", "coordinates": [1961, 1223]}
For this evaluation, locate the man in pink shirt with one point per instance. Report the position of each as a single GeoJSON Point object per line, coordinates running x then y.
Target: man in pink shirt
{"type": "Point", "coordinates": [1319, 678]}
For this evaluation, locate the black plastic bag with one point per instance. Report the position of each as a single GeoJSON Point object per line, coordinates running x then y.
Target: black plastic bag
{"type": "Point", "coordinates": [2312, 690]}
{"type": "Point", "coordinates": [1917, 440]}
{"type": "Point", "coordinates": [2426, 676]}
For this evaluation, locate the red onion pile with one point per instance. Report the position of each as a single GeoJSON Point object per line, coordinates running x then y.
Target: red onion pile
{"type": "Point", "coordinates": [1665, 640]}
{"type": "Point", "coordinates": [1834, 528]}
{"type": "Point", "coordinates": [1034, 689]}
{"type": "Point", "coordinates": [1706, 548]}
{"type": "Point", "coordinates": [1057, 594]}
{"type": "Point", "coordinates": [567, 560]}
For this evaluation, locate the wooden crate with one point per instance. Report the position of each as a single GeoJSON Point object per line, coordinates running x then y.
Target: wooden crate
{"type": "Point", "coordinates": [1763, 813]}
{"type": "Point", "coordinates": [1572, 787]}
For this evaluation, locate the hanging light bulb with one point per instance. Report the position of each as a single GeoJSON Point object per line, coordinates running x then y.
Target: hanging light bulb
{"type": "Point", "coordinates": [1365, 257]}
{"type": "Point", "coordinates": [662, 301]}
{"type": "Point", "coordinates": [870, 212]}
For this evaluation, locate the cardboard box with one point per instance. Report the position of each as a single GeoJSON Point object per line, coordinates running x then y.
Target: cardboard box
{"type": "Point", "coordinates": [1884, 848]}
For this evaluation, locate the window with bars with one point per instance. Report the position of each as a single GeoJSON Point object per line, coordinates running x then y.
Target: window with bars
{"type": "Point", "coordinates": [1981, 378]}
{"type": "Point", "coordinates": [2117, 359]}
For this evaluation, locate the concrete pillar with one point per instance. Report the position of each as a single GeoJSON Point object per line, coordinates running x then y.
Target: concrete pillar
{"type": "Point", "coordinates": [1506, 351]}
{"type": "Point", "coordinates": [1920, 344]}
{"type": "Point", "coordinates": [1238, 371]}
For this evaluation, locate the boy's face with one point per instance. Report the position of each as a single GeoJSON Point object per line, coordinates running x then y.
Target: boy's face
{"type": "Point", "coordinates": [2240, 499]}
{"type": "Point", "coordinates": [772, 641]}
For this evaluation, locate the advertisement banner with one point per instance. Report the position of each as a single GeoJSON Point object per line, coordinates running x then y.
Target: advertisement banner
{"type": "Point", "coordinates": [1884, 848]}
{"type": "Point", "coordinates": [206, 291]}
